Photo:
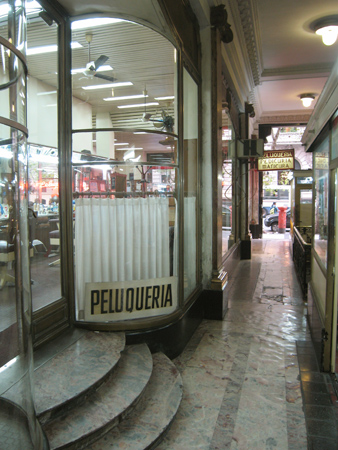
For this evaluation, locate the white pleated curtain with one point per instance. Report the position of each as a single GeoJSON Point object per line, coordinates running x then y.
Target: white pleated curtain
{"type": "Point", "coordinates": [120, 240]}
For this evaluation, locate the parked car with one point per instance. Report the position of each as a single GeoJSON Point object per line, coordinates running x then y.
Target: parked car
{"type": "Point", "coordinates": [265, 211]}
{"type": "Point", "coordinates": [271, 220]}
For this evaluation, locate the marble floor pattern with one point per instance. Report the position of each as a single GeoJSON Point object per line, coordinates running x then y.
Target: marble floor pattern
{"type": "Point", "coordinates": [242, 383]}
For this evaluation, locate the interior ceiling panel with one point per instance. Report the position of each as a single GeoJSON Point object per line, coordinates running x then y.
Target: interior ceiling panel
{"type": "Point", "coordinates": [136, 54]}
{"type": "Point", "coordinates": [287, 49]}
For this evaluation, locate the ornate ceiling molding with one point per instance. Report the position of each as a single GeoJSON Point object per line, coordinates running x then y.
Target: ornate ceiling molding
{"type": "Point", "coordinates": [284, 118]}
{"type": "Point", "coordinates": [315, 70]}
{"type": "Point", "coordinates": [249, 24]}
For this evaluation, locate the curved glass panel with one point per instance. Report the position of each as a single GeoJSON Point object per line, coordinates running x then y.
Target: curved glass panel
{"type": "Point", "coordinates": [124, 76]}
{"type": "Point", "coordinates": [125, 240]}
{"type": "Point", "coordinates": [123, 146]}
{"type": "Point", "coordinates": [18, 424]}
{"type": "Point", "coordinates": [43, 154]}
{"type": "Point", "coordinates": [124, 171]}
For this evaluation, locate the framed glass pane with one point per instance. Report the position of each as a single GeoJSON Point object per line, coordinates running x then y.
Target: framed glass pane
{"type": "Point", "coordinates": [228, 200]}
{"type": "Point", "coordinates": [190, 156]}
{"type": "Point", "coordinates": [43, 160]}
{"type": "Point", "coordinates": [321, 179]}
{"type": "Point", "coordinates": [124, 156]}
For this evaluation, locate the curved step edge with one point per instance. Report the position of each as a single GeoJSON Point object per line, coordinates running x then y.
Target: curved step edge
{"type": "Point", "coordinates": [148, 423]}
{"type": "Point", "coordinates": [107, 406]}
{"type": "Point", "coordinates": [75, 373]}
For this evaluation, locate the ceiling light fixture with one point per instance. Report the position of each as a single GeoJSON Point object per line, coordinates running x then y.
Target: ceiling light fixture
{"type": "Point", "coordinates": [139, 105]}
{"type": "Point", "coordinates": [49, 49]}
{"type": "Point", "coordinates": [307, 99]}
{"type": "Point", "coordinates": [169, 97]}
{"type": "Point", "coordinates": [124, 97]}
{"type": "Point", "coordinates": [108, 85]}
{"type": "Point", "coordinates": [99, 21]}
{"type": "Point", "coordinates": [327, 28]}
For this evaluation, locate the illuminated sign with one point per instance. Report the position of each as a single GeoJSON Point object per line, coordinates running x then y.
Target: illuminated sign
{"type": "Point", "coordinates": [277, 160]}
{"type": "Point", "coordinates": [126, 300]}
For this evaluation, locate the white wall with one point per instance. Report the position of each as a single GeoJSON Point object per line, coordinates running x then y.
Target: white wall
{"type": "Point", "coordinates": [42, 117]}
{"type": "Point", "coordinates": [82, 118]}
{"type": "Point", "coordinates": [41, 113]}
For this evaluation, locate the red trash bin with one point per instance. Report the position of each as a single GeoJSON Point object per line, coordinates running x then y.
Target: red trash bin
{"type": "Point", "coordinates": [282, 219]}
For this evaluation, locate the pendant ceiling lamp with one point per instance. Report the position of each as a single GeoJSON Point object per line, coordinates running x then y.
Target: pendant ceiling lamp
{"type": "Point", "coordinates": [307, 99]}
{"type": "Point", "coordinates": [327, 28]}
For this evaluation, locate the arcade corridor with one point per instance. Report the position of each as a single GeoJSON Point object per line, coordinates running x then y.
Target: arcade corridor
{"type": "Point", "coordinates": [252, 381]}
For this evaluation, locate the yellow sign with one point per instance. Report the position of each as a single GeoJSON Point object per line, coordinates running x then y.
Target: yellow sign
{"type": "Point", "coordinates": [277, 160]}
{"type": "Point", "coordinates": [125, 300]}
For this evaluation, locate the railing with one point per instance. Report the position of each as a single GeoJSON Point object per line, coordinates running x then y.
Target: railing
{"type": "Point", "coordinates": [302, 256]}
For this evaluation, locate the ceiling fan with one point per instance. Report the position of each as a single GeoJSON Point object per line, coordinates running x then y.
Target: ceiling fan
{"type": "Point", "coordinates": [92, 67]}
{"type": "Point", "coordinates": [166, 123]}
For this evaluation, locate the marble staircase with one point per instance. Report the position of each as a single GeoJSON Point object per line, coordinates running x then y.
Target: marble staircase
{"type": "Point", "coordinates": [95, 392]}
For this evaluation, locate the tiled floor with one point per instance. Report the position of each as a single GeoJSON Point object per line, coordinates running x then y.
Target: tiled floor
{"type": "Point", "coordinates": [251, 381]}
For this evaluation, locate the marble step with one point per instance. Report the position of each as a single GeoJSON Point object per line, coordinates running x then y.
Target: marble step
{"type": "Point", "coordinates": [106, 407]}
{"type": "Point", "coordinates": [71, 374]}
{"type": "Point", "coordinates": [145, 426]}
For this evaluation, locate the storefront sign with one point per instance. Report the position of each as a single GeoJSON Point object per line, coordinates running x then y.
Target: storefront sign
{"type": "Point", "coordinates": [277, 160]}
{"type": "Point", "coordinates": [126, 300]}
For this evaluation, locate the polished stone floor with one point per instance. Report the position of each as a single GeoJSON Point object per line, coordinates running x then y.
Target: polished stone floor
{"type": "Point", "coordinates": [251, 381]}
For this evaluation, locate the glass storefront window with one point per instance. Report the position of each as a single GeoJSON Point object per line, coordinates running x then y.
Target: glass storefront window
{"type": "Point", "coordinates": [43, 160]}
{"type": "Point", "coordinates": [124, 157]}
{"type": "Point", "coordinates": [321, 179]}
{"type": "Point", "coordinates": [19, 426]}
{"type": "Point", "coordinates": [190, 164]}
{"type": "Point", "coordinates": [228, 200]}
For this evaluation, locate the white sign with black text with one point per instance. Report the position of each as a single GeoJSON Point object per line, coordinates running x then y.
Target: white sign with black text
{"type": "Point", "coordinates": [126, 300]}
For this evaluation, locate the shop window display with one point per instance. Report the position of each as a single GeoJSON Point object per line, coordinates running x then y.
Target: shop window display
{"type": "Point", "coordinates": [124, 174]}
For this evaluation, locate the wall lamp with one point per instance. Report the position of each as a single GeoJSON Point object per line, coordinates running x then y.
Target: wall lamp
{"type": "Point", "coordinates": [307, 99]}
{"type": "Point", "coordinates": [327, 28]}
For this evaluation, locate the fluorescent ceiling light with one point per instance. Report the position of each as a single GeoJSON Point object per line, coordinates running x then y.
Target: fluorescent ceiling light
{"type": "Point", "coordinates": [98, 21]}
{"type": "Point", "coordinates": [121, 143]}
{"type": "Point", "coordinates": [140, 105]}
{"type": "Point", "coordinates": [124, 97]}
{"type": "Point", "coordinates": [130, 148]}
{"type": "Point", "coordinates": [49, 48]}
{"type": "Point", "coordinates": [103, 68]}
{"type": "Point", "coordinates": [31, 8]}
{"type": "Point", "coordinates": [46, 93]}
{"type": "Point", "coordinates": [108, 86]}
{"type": "Point", "coordinates": [170, 97]}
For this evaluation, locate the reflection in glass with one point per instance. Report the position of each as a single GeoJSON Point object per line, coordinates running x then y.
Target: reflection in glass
{"type": "Point", "coordinates": [18, 424]}
{"type": "Point", "coordinates": [124, 223]}
{"type": "Point", "coordinates": [228, 200]}
{"type": "Point", "coordinates": [43, 163]}
{"type": "Point", "coordinates": [124, 156]}
{"type": "Point", "coordinates": [321, 178]}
